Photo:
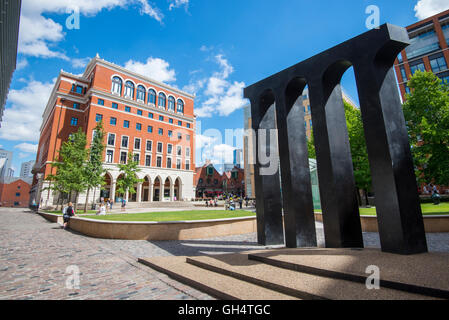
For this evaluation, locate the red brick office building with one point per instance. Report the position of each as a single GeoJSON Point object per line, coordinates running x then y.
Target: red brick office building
{"type": "Point", "coordinates": [428, 50]}
{"type": "Point", "coordinates": [141, 116]}
{"type": "Point", "coordinates": [209, 183]}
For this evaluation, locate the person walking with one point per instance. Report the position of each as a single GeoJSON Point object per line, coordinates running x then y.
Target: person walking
{"type": "Point", "coordinates": [123, 204]}
{"type": "Point", "coordinates": [69, 212]}
{"type": "Point", "coordinates": [111, 202]}
{"type": "Point", "coordinates": [241, 203]}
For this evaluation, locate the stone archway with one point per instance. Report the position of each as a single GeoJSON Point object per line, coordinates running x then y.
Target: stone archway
{"type": "Point", "coordinates": [177, 190]}
{"type": "Point", "coordinates": [146, 189]}
{"type": "Point", "coordinates": [157, 189]}
{"type": "Point", "coordinates": [168, 190]}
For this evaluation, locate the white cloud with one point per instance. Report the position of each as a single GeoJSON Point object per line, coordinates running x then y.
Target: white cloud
{"type": "Point", "coordinates": [38, 34]}
{"type": "Point", "coordinates": [428, 8]}
{"type": "Point", "coordinates": [178, 3]}
{"type": "Point", "coordinates": [27, 147]}
{"type": "Point", "coordinates": [21, 121]}
{"type": "Point", "coordinates": [203, 141]}
{"type": "Point", "coordinates": [222, 97]}
{"type": "Point", "coordinates": [223, 153]}
{"type": "Point", "coordinates": [23, 155]}
{"type": "Point", "coordinates": [22, 64]}
{"type": "Point", "coordinates": [80, 62]}
{"type": "Point", "coordinates": [154, 68]}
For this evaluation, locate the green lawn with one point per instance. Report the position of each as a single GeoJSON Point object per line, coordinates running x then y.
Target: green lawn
{"type": "Point", "coordinates": [176, 216]}
{"type": "Point", "coordinates": [427, 209]}
{"type": "Point", "coordinates": [79, 212]}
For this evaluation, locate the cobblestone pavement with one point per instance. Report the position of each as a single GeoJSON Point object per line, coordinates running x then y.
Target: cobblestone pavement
{"type": "Point", "coordinates": [34, 255]}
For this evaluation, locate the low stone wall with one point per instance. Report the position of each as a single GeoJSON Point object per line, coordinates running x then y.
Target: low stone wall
{"type": "Point", "coordinates": [178, 230]}
{"type": "Point", "coordinates": [51, 217]}
{"type": "Point", "coordinates": [432, 224]}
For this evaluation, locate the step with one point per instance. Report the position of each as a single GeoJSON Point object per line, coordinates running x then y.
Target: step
{"type": "Point", "coordinates": [294, 283]}
{"type": "Point", "coordinates": [218, 286]}
{"type": "Point", "coordinates": [425, 274]}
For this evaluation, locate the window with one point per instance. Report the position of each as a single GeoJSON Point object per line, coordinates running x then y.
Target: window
{"type": "Point", "coordinates": [109, 156]}
{"type": "Point", "coordinates": [114, 105]}
{"type": "Point", "coordinates": [161, 100]}
{"type": "Point", "coordinates": [187, 165]}
{"type": "Point", "coordinates": [170, 133]}
{"type": "Point", "coordinates": [171, 104]}
{"type": "Point", "coordinates": [187, 152]}
{"type": "Point", "coordinates": [113, 121]}
{"type": "Point", "coordinates": [438, 64]}
{"type": "Point", "coordinates": [128, 109]}
{"type": "Point", "coordinates": [125, 142]}
{"type": "Point", "coordinates": [98, 117]}
{"type": "Point", "coordinates": [152, 97]}
{"type": "Point", "coordinates": [178, 164]}
{"type": "Point", "coordinates": [74, 122]}
{"type": "Point", "coordinates": [403, 74]}
{"type": "Point", "coordinates": [79, 90]}
{"type": "Point", "coordinates": [129, 89]}
{"type": "Point", "coordinates": [407, 90]}
{"type": "Point", "coordinates": [180, 108]}
{"type": "Point", "coordinates": [200, 181]}
{"type": "Point", "coordinates": [188, 137]}
{"type": "Point", "coordinates": [179, 151]}
{"type": "Point", "coordinates": [308, 108]}
{"type": "Point", "coordinates": [148, 160]}
{"type": "Point", "coordinates": [138, 127]}
{"type": "Point", "coordinates": [149, 145]}
{"type": "Point", "coordinates": [188, 125]}
{"type": "Point", "coordinates": [310, 122]}
{"type": "Point", "coordinates": [136, 158]}
{"type": "Point", "coordinates": [76, 105]}
{"type": "Point", "coordinates": [116, 85]}
{"type": "Point", "coordinates": [159, 162]}
{"type": "Point", "coordinates": [150, 115]}
{"type": "Point", "coordinates": [215, 181]}
{"type": "Point", "coordinates": [126, 124]}
{"type": "Point", "coordinates": [180, 123]}
{"type": "Point", "coordinates": [159, 147]}
{"type": "Point", "coordinates": [101, 102]}
{"type": "Point", "coordinates": [170, 121]}
{"type": "Point", "coordinates": [141, 93]}
{"type": "Point", "coordinates": [111, 139]}
{"type": "Point", "coordinates": [161, 131]}
{"type": "Point", "coordinates": [305, 124]}
{"type": "Point", "coordinates": [150, 129]}
{"type": "Point", "coordinates": [123, 156]}
{"type": "Point", "coordinates": [169, 163]}
{"type": "Point", "coordinates": [139, 112]}
{"type": "Point", "coordinates": [137, 143]}
{"type": "Point", "coordinates": [179, 135]}
{"type": "Point", "coordinates": [235, 174]}
{"type": "Point", "coordinates": [169, 148]}
{"type": "Point", "coordinates": [210, 171]}
{"type": "Point", "coordinates": [18, 194]}
{"type": "Point", "coordinates": [161, 118]}
{"type": "Point", "coordinates": [416, 67]}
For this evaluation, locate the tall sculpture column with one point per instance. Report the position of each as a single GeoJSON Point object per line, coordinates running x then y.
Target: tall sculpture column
{"type": "Point", "coordinates": [341, 219]}
{"type": "Point", "coordinates": [399, 216]}
{"type": "Point", "coordinates": [299, 219]}
{"type": "Point", "coordinates": [270, 229]}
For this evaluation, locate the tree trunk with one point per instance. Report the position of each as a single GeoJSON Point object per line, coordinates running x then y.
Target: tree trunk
{"type": "Point", "coordinates": [76, 200]}
{"type": "Point", "coordinates": [93, 200]}
{"type": "Point", "coordinates": [359, 199]}
{"type": "Point", "coordinates": [87, 200]}
{"type": "Point", "coordinates": [57, 202]}
{"type": "Point", "coordinates": [366, 197]}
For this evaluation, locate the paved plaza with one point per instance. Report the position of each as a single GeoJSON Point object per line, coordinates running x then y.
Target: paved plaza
{"type": "Point", "coordinates": [35, 254]}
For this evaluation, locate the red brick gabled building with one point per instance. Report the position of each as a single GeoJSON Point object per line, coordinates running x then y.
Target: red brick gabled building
{"type": "Point", "coordinates": [210, 183]}
{"type": "Point", "coordinates": [15, 192]}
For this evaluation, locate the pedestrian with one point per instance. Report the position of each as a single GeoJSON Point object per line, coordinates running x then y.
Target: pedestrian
{"type": "Point", "coordinates": [241, 203]}
{"type": "Point", "coordinates": [123, 204]}
{"type": "Point", "coordinates": [102, 210]}
{"type": "Point", "coordinates": [69, 212]}
{"type": "Point", "coordinates": [246, 201]}
{"type": "Point", "coordinates": [111, 202]}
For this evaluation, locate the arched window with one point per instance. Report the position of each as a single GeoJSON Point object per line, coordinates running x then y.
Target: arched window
{"type": "Point", "coordinates": [171, 104]}
{"type": "Point", "coordinates": [117, 85]}
{"type": "Point", "coordinates": [152, 96]}
{"type": "Point", "coordinates": [129, 89]}
{"type": "Point", "coordinates": [161, 100]}
{"type": "Point", "coordinates": [141, 93]}
{"type": "Point", "coordinates": [180, 108]}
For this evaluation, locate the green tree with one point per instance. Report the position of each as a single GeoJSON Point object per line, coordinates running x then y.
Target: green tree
{"type": "Point", "coordinates": [94, 171]}
{"type": "Point", "coordinates": [426, 112]}
{"type": "Point", "coordinates": [311, 146]}
{"type": "Point", "coordinates": [128, 178]}
{"type": "Point", "coordinates": [70, 172]}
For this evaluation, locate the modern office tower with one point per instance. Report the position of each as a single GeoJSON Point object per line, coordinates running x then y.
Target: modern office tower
{"type": "Point", "coordinates": [5, 163]}
{"type": "Point", "coordinates": [26, 168]}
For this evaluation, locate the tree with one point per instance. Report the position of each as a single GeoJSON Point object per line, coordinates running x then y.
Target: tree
{"type": "Point", "coordinates": [70, 171]}
{"type": "Point", "coordinates": [128, 177]}
{"type": "Point", "coordinates": [311, 147]}
{"type": "Point", "coordinates": [94, 170]}
{"type": "Point", "coordinates": [426, 112]}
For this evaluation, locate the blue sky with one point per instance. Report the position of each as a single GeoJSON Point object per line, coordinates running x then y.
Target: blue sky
{"type": "Point", "coordinates": [213, 48]}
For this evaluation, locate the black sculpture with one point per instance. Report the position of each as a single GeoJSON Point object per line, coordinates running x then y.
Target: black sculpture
{"type": "Point", "coordinates": [400, 221]}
